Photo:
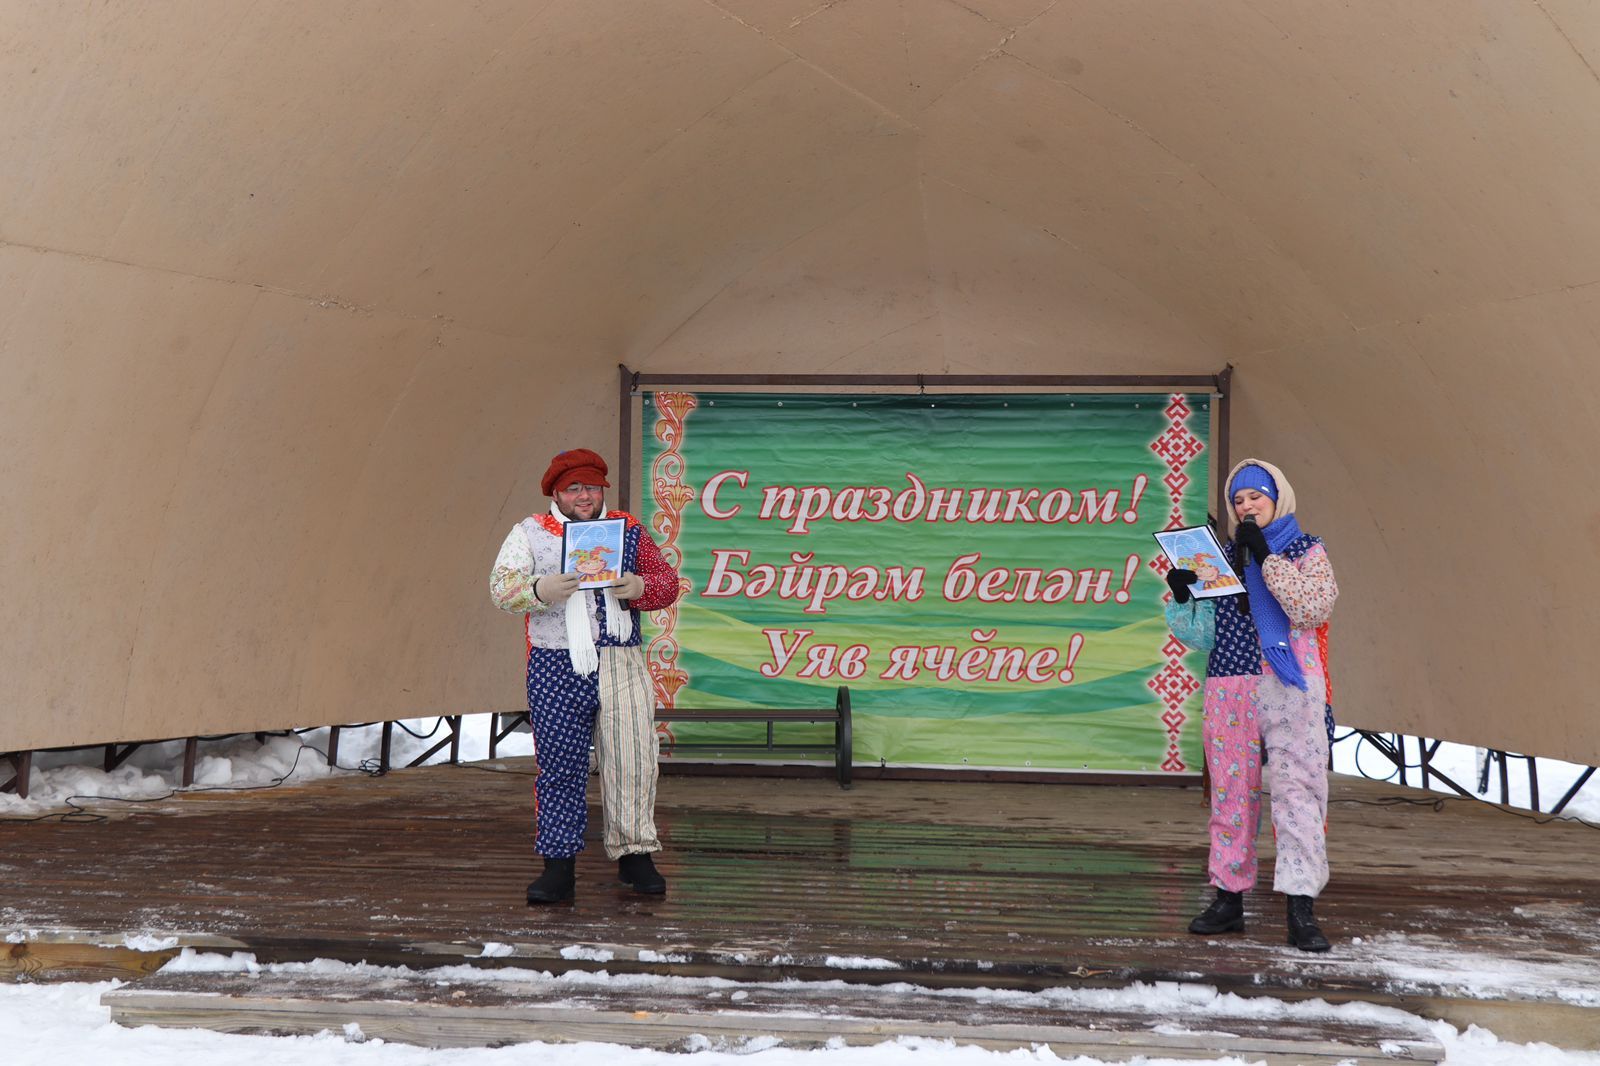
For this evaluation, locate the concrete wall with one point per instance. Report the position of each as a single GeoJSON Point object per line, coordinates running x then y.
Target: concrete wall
{"type": "Point", "coordinates": [297, 299]}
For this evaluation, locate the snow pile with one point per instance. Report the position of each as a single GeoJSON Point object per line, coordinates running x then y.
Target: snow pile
{"type": "Point", "coordinates": [588, 954]}
{"type": "Point", "coordinates": [155, 771]}
{"type": "Point", "coordinates": [1480, 1047]}
{"type": "Point", "coordinates": [149, 942]}
{"type": "Point", "coordinates": [495, 950]}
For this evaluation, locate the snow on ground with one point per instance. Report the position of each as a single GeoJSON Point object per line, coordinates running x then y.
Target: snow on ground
{"type": "Point", "coordinates": [154, 771]}
{"type": "Point", "coordinates": [1436, 965]}
{"type": "Point", "coordinates": [1463, 763]}
{"type": "Point", "coordinates": [45, 1025]}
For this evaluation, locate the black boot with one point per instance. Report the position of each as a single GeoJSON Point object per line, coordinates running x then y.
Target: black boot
{"type": "Point", "coordinates": [639, 873]}
{"type": "Point", "coordinates": [556, 883]}
{"type": "Point", "coordinates": [1225, 915]}
{"type": "Point", "coordinates": [1303, 931]}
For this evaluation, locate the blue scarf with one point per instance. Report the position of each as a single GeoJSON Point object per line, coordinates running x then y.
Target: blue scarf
{"type": "Point", "coordinates": [1272, 624]}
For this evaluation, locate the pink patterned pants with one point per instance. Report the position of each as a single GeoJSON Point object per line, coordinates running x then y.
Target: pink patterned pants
{"type": "Point", "coordinates": [1243, 714]}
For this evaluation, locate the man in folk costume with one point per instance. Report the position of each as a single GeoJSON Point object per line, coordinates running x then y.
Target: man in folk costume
{"type": "Point", "coordinates": [587, 679]}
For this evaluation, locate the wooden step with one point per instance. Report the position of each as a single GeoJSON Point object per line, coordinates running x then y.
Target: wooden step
{"type": "Point", "coordinates": [455, 1008]}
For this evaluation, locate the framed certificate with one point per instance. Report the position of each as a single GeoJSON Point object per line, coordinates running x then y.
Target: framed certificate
{"type": "Point", "coordinates": [593, 551]}
{"type": "Point", "coordinates": [1196, 548]}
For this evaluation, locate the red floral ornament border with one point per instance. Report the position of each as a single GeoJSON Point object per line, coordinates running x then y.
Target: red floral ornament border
{"type": "Point", "coordinates": [1173, 684]}
{"type": "Point", "coordinates": [671, 495]}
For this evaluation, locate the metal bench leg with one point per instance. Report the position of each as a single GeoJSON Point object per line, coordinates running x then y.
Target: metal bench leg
{"type": "Point", "coordinates": [497, 732]}
{"type": "Point", "coordinates": [843, 738]}
{"type": "Point", "coordinates": [451, 739]}
{"type": "Point", "coordinates": [22, 762]}
{"type": "Point", "coordinates": [1573, 791]}
{"type": "Point", "coordinates": [115, 758]}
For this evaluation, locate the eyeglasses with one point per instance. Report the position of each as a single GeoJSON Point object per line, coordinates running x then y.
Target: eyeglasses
{"type": "Point", "coordinates": [579, 490]}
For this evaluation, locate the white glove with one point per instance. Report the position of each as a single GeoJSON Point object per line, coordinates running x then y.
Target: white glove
{"type": "Point", "coordinates": [555, 589]}
{"type": "Point", "coordinates": [631, 587]}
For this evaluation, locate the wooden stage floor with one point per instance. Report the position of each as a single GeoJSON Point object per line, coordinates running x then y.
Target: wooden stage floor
{"type": "Point", "coordinates": [1447, 909]}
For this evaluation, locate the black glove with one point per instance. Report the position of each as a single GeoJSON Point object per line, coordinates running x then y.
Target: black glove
{"type": "Point", "coordinates": [1179, 581]}
{"type": "Point", "coordinates": [1251, 539]}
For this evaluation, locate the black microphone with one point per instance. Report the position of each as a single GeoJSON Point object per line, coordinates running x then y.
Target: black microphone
{"type": "Point", "coordinates": [1244, 559]}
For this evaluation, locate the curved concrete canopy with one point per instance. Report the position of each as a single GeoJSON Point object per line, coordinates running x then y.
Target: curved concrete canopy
{"type": "Point", "coordinates": [298, 299]}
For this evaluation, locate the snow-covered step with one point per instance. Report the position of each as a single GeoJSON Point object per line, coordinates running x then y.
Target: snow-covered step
{"type": "Point", "coordinates": [464, 1007]}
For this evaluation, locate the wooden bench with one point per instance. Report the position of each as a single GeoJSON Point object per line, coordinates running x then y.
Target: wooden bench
{"type": "Point", "coordinates": [838, 714]}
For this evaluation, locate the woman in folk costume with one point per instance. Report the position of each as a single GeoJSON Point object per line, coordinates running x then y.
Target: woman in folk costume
{"type": "Point", "coordinates": [1266, 688]}
{"type": "Point", "coordinates": [587, 679]}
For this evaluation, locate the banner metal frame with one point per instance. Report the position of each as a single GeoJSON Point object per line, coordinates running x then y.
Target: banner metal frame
{"type": "Point", "coordinates": [631, 382]}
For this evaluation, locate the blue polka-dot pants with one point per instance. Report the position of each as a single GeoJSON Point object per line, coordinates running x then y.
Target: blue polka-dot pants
{"type": "Point", "coordinates": [562, 707]}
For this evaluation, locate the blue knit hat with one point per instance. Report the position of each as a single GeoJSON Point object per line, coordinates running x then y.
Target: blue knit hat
{"type": "Point", "coordinates": [1253, 477]}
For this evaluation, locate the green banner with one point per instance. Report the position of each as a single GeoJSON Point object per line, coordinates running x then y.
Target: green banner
{"type": "Point", "coordinates": [978, 569]}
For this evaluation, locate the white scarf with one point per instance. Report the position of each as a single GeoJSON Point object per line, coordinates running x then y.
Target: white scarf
{"type": "Point", "coordinates": [580, 645]}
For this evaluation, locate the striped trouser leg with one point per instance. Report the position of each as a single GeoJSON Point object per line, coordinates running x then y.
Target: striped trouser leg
{"type": "Point", "coordinates": [625, 745]}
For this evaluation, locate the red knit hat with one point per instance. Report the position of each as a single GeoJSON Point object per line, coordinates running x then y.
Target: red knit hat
{"type": "Point", "coordinates": [579, 466]}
